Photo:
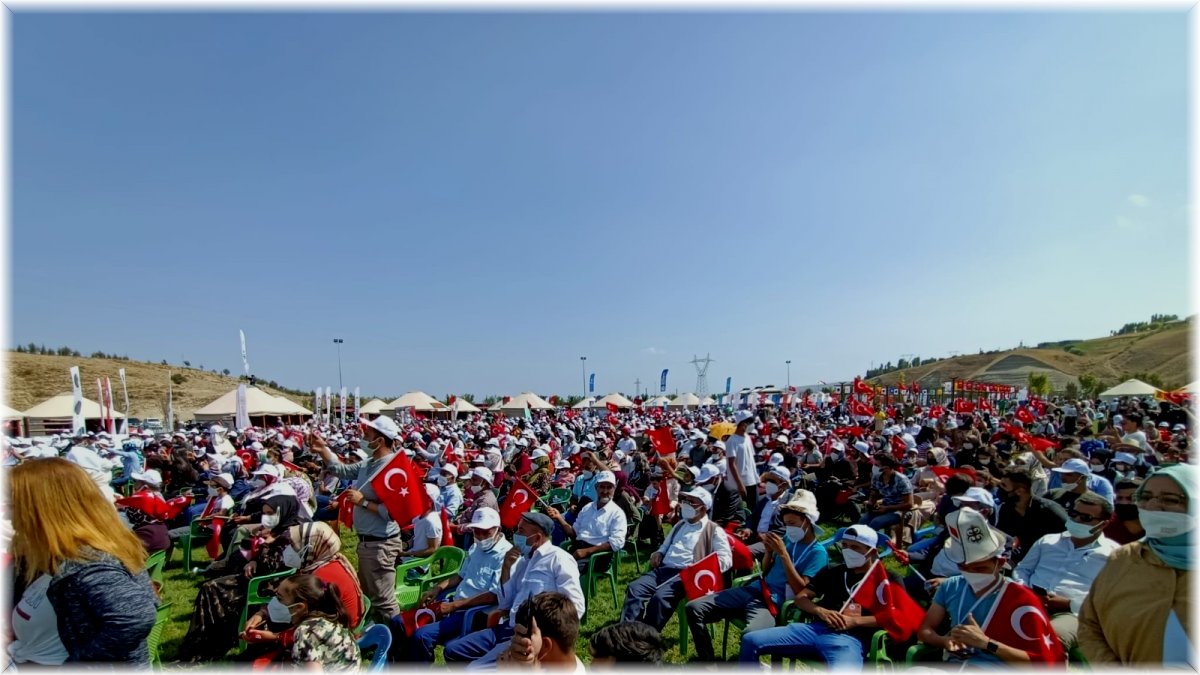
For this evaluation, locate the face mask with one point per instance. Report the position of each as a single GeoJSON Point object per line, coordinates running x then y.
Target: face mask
{"type": "Point", "coordinates": [796, 534]}
{"type": "Point", "coordinates": [875, 471]}
{"type": "Point", "coordinates": [1079, 530]}
{"type": "Point", "coordinates": [1097, 468]}
{"type": "Point", "coordinates": [441, 481]}
{"type": "Point", "coordinates": [710, 487]}
{"type": "Point", "coordinates": [364, 445]}
{"type": "Point", "coordinates": [772, 489]}
{"type": "Point", "coordinates": [486, 545]}
{"type": "Point", "coordinates": [979, 580]}
{"type": "Point", "coordinates": [212, 491]}
{"type": "Point", "coordinates": [968, 446]}
{"type": "Point", "coordinates": [293, 558]}
{"type": "Point", "coordinates": [473, 489]}
{"type": "Point", "coordinates": [985, 461]}
{"type": "Point", "coordinates": [259, 483]}
{"type": "Point", "coordinates": [271, 521]}
{"type": "Point", "coordinates": [521, 543]}
{"type": "Point", "coordinates": [687, 511]}
{"type": "Point", "coordinates": [279, 612]}
{"type": "Point", "coordinates": [1162, 524]}
{"type": "Point", "coordinates": [853, 558]}
{"type": "Point", "coordinates": [586, 474]}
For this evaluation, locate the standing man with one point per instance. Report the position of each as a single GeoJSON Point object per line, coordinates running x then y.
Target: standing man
{"type": "Point", "coordinates": [379, 544]}
{"type": "Point", "coordinates": [741, 472]}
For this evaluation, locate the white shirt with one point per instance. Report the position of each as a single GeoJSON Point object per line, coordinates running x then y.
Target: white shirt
{"type": "Point", "coordinates": [35, 625]}
{"type": "Point", "coordinates": [678, 551]}
{"type": "Point", "coordinates": [626, 445]}
{"type": "Point", "coordinates": [741, 459]}
{"type": "Point", "coordinates": [550, 569]}
{"type": "Point", "coordinates": [96, 467]}
{"type": "Point", "coordinates": [425, 528]}
{"type": "Point", "coordinates": [450, 498]}
{"type": "Point", "coordinates": [1137, 438]}
{"type": "Point", "coordinates": [768, 512]}
{"type": "Point", "coordinates": [597, 526]}
{"type": "Point", "coordinates": [1055, 564]}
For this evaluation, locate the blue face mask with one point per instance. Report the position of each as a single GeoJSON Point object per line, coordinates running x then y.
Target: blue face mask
{"type": "Point", "coordinates": [521, 544]}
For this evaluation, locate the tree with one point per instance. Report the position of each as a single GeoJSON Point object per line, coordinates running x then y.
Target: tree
{"type": "Point", "coordinates": [163, 363]}
{"type": "Point", "coordinates": [187, 364]}
{"type": "Point", "coordinates": [469, 398]}
{"type": "Point", "coordinates": [1039, 383]}
{"type": "Point", "coordinates": [31, 349]}
{"type": "Point", "coordinates": [1072, 390]}
{"type": "Point", "coordinates": [75, 353]}
{"type": "Point", "coordinates": [1090, 385]}
{"type": "Point", "coordinates": [178, 378]}
{"type": "Point", "coordinates": [916, 361]}
{"type": "Point", "coordinates": [225, 372]}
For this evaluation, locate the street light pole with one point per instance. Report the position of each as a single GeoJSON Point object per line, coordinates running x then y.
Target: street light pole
{"type": "Point", "coordinates": [583, 370]}
{"type": "Point", "coordinates": [338, 342]}
{"type": "Point", "coordinates": [789, 378]}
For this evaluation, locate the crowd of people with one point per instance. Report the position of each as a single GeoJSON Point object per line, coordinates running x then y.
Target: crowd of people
{"type": "Point", "coordinates": [1047, 531]}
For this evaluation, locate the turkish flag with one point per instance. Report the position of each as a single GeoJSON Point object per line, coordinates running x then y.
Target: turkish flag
{"type": "Point", "coordinates": [520, 500]}
{"type": "Point", "coordinates": [177, 506]}
{"type": "Point", "coordinates": [213, 547]}
{"type": "Point", "coordinates": [860, 409]}
{"type": "Point", "coordinates": [1019, 621]}
{"type": "Point", "coordinates": [855, 431]}
{"type": "Point", "coordinates": [1024, 415]}
{"type": "Point", "coordinates": [447, 538]}
{"type": "Point", "coordinates": [451, 400]}
{"type": "Point", "coordinates": [893, 609]}
{"type": "Point", "coordinates": [963, 406]}
{"type": "Point", "coordinates": [346, 513]}
{"type": "Point", "coordinates": [416, 618]}
{"type": "Point", "coordinates": [861, 387]}
{"type": "Point", "coordinates": [612, 407]}
{"type": "Point", "coordinates": [898, 447]}
{"type": "Point", "coordinates": [1042, 444]}
{"type": "Point", "coordinates": [945, 472]}
{"type": "Point", "coordinates": [662, 500]}
{"type": "Point", "coordinates": [210, 508]}
{"type": "Point", "coordinates": [702, 578]}
{"type": "Point", "coordinates": [398, 486]}
{"type": "Point", "coordinates": [937, 411]}
{"type": "Point", "coordinates": [985, 405]}
{"type": "Point", "coordinates": [663, 441]}
{"type": "Point", "coordinates": [150, 503]}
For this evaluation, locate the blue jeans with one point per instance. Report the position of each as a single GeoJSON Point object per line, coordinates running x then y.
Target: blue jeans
{"type": "Point", "coordinates": [923, 544]}
{"type": "Point", "coordinates": [131, 463]}
{"type": "Point", "coordinates": [475, 646]}
{"type": "Point", "coordinates": [805, 640]}
{"type": "Point", "coordinates": [880, 521]}
{"type": "Point", "coordinates": [423, 642]}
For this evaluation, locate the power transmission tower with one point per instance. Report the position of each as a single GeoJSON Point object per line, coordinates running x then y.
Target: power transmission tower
{"type": "Point", "coordinates": [637, 387]}
{"type": "Point", "coordinates": [701, 374]}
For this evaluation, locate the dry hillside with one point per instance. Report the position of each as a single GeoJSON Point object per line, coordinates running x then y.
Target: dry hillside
{"type": "Point", "coordinates": [1166, 352]}
{"type": "Point", "coordinates": [32, 378]}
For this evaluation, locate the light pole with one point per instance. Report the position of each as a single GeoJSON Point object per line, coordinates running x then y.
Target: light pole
{"type": "Point", "coordinates": [583, 370]}
{"type": "Point", "coordinates": [338, 342]}
{"type": "Point", "coordinates": [789, 378]}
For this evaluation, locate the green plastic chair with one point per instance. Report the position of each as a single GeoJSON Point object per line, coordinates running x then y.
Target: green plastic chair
{"type": "Point", "coordinates": [740, 623]}
{"type": "Point", "coordinates": [365, 620]}
{"type": "Point", "coordinates": [591, 578]}
{"type": "Point", "coordinates": [443, 564]}
{"type": "Point", "coordinates": [194, 534]}
{"type": "Point", "coordinates": [154, 566]}
{"type": "Point", "coordinates": [631, 541]}
{"type": "Point", "coordinates": [153, 641]}
{"type": "Point", "coordinates": [558, 497]}
{"type": "Point", "coordinates": [254, 596]}
{"type": "Point", "coordinates": [922, 651]}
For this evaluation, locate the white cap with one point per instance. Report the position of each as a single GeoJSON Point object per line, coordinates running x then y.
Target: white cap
{"type": "Point", "coordinates": [971, 538]}
{"type": "Point", "coordinates": [707, 473]}
{"type": "Point", "coordinates": [783, 438]}
{"type": "Point", "coordinates": [384, 425]}
{"type": "Point", "coordinates": [150, 476]}
{"type": "Point", "coordinates": [700, 494]}
{"type": "Point", "coordinates": [860, 534]}
{"type": "Point", "coordinates": [269, 470]}
{"type": "Point", "coordinates": [482, 472]}
{"type": "Point", "coordinates": [719, 445]}
{"type": "Point", "coordinates": [484, 518]}
{"type": "Point", "coordinates": [741, 416]}
{"type": "Point", "coordinates": [776, 459]}
{"type": "Point", "coordinates": [606, 477]}
{"type": "Point", "coordinates": [975, 495]}
{"type": "Point", "coordinates": [450, 469]}
{"type": "Point", "coordinates": [539, 453]}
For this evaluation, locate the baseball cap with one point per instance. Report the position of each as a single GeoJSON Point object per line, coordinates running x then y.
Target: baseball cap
{"type": "Point", "coordinates": [484, 518]}
{"type": "Point", "coordinates": [1073, 466]}
{"type": "Point", "coordinates": [860, 534]}
{"type": "Point", "coordinates": [606, 477]}
{"type": "Point", "coordinates": [150, 476]}
{"type": "Point", "coordinates": [383, 424]}
{"type": "Point", "coordinates": [482, 472]}
{"type": "Point", "coordinates": [702, 495]}
{"type": "Point", "coordinates": [741, 416]}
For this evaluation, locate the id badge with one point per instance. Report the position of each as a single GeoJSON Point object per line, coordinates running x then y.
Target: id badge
{"type": "Point", "coordinates": [853, 609]}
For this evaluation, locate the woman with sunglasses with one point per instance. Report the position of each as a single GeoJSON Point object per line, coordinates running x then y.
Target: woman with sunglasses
{"type": "Point", "coordinates": [1139, 609]}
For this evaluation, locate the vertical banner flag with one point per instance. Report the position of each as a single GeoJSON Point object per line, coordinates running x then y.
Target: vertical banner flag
{"type": "Point", "coordinates": [170, 406]}
{"type": "Point", "coordinates": [77, 407]}
{"type": "Point", "coordinates": [357, 414]}
{"type": "Point", "coordinates": [728, 384]}
{"type": "Point", "coordinates": [662, 382]}
{"type": "Point", "coordinates": [241, 415]}
{"type": "Point", "coordinates": [328, 404]}
{"type": "Point", "coordinates": [343, 404]}
{"type": "Point", "coordinates": [100, 400]}
{"type": "Point", "coordinates": [108, 407]}
{"type": "Point", "coordinates": [125, 393]}
{"type": "Point", "coordinates": [317, 403]}
{"type": "Point", "coordinates": [592, 384]}
{"type": "Point", "coordinates": [245, 362]}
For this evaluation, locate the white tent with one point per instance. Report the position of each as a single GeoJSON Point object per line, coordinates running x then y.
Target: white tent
{"type": "Point", "coordinates": [708, 400]}
{"type": "Point", "coordinates": [615, 399]}
{"type": "Point", "coordinates": [685, 400]}
{"type": "Point", "coordinates": [462, 405]}
{"type": "Point", "coordinates": [517, 405]}
{"type": "Point", "coordinates": [258, 404]}
{"type": "Point", "coordinates": [1193, 388]}
{"type": "Point", "coordinates": [7, 413]}
{"type": "Point", "coordinates": [584, 404]}
{"type": "Point", "coordinates": [657, 402]}
{"type": "Point", "coordinates": [290, 407]}
{"type": "Point", "coordinates": [54, 414]}
{"type": "Point", "coordinates": [1130, 388]}
{"type": "Point", "coordinates": [373, 407]}
{"type": "Point", "coordinates": [417, 400]}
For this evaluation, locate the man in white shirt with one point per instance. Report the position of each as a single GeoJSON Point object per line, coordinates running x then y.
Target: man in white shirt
{"type": "Point", "coordinates": [626, 445]}
{"type": "Point", "coordinates": [652, 598]}
{"type": "Point", "coordinates": [450, 497]}
{"type": "Point", "coordinates": [741, 474]}
{"type": "Point", "coordinates": [427, 528]}
{"type": "Point", "coordinates": [533, 566]}
{"type": "Point", "coordinates": [96, 467]}
{"type": "Point", "coordinates": [1060, 568]}
{"type": "Point", "coordinates": [600, 526]}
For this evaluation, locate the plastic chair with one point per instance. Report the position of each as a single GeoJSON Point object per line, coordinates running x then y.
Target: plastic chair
{"type": "Point", "coordinates": [377, 639]}
{"type": "Point", "coordinates": [161, 616]}
{"type": "Point", "coordinates": [631, 540]}
{"type": "Point", "coordinates": [192, 536]}
{"type": "Point", "coordinates": [155, 564]}
{"type": "Point", "coordinates": [877, 653]}
{"type": "Point", "coordinates": [558, 496]}
{"type": "Point", "coordinates": [921, 651]}
{"type": "Point", "coordinates": [591, 577]}
{"type": "Point", "coordinates": [443, 564]}
{"type": "Point", "coordinates": [365, 620]}
{"type": "Point", "coordinates": [255, 597]}
{"type": "Point", "coordinates": [469, 617]}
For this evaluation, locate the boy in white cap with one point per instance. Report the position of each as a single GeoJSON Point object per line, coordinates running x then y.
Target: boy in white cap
{"type": "Point", "coordinates": [741, 473]}
{"type": "Point", "coordinates": [600, 527]}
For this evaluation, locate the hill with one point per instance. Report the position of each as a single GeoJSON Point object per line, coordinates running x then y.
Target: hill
{"type": "Point", "coordinates": [33, 378]}
{"type": "Point", "coordinates": [1165, 353]}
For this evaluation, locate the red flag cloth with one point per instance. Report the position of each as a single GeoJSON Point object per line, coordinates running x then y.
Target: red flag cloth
{"type": "Point", "coordinates": [416, 618]}
{"type": "Point", "coordinates": [1024, 415]}
{"type": "Point", "coordinates": [213, 547]}
{"type": "Point", "coordinates": [963, 406]}
{"type": "Point", "coordinates": [451, 400]}
{"type": "Point", "coordinates": [893, 609]}
{"type": "Point", "coordinates": [1018, 620]}
{"type": "Point", "coordinates": [937, 411]}
{"type": "Point", "coordinates": [702, 578]}
{"type": "Point", "coordinates": [743, 559]}
{"type": "Point", "coordinates": [945, 472]}
{"type": "Point", "coordinates": [861, 387]}
{"type": "Point", "coordinates": [916, 410]}
{"type": "Point", "coordinates": [520, 499]}
{"type": "Point", "coordinates": [899, 448]}
{"type": "Point", "coordinates": [447, 538]}
{"type": "Point", "coordinates": [662, 500]}
{"type": "Point", "coordinates": [149, 503]}
{"type": "Point", "coordinates": [398, 487]}
{"type": "Point", "coordinates": [177, 506]}
{"type": "Point", "coordinates": [766, 595]}
{"type": "Point", "coordinates": [612, 407]}
{"type": "Point", "coordinates": [1042, 444]}
{"type": "Point", "coordinates": [985, 404]}
{"type": "Point", "coordinates": [663, 441]}
{"type": "Point", "coordinates": [210, 508]}
{"type": "Point", "coordinates": [855, 431]}
{"type": "Point", "coordinates": [346, 513]}
{"type": "Point", "coordinates": [860, 409]}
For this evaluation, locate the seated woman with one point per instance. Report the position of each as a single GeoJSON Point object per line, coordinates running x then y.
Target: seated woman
{"type": "Point", "coordinates": [146, 522]}
{"type": "Point", "coordinates": [214, 627]}
{"type": "Point", "coordinates": [311, 609]}
{"type": "Point", "coordinates": [314, 549]}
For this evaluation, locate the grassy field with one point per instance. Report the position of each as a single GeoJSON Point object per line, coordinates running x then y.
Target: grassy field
{"type": "Point", "coordinates": [180, 590]}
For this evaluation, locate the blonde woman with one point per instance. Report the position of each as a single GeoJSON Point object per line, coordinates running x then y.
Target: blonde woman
{"type": "Point", "coordinates": [70, 548]}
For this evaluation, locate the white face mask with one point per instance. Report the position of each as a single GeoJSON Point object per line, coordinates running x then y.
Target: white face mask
{"type": "Point", "coordinates": [687, 511]}
{"type": "Point", "coordinates": [1161, 524]}
{"type": "Point", "coordinates": [586, 475]}
{"type": "Point", "coordinates": [486, 545]}
{"type": "Point", "coordinates": [441, 481]}
{"type": "Point", "coordinates": [473, 489]}
{"type": "Point", "coordinates": [270, 521]}
{"type": "Point", "coordinates": [212, 491]}
{"type": "Point", "coordinates": [259, 483]}
{"type": "Point", "coordinates": [771, 489]}
{"type": "Point", "coordinates": [795, 533]}
{"type": "Point", "coordinates": [279, 612]}
{"type": "Point", "coordinates": [979, 580]}
{"type": "Point", "coordinates": [1079, 530]}
{"type": "Point", "coordinates": [853, 558]}
{"type": "Point", "coordinates": [293, 558]}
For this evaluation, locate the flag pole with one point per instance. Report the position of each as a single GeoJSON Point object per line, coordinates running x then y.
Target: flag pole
{"type": "Point", "coordinates": [858, 585]}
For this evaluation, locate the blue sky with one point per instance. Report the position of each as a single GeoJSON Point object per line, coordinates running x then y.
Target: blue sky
{"type": "Point", "coordinates": [474, 201]}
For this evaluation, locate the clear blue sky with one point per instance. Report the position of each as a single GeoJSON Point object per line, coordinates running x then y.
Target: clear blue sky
{"type": "Point", "coordinates": [475, 201]}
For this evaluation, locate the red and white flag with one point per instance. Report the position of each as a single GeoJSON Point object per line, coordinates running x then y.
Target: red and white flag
{"type": "Point", "coordinates": [520, 500]}
{"type": "Point", "coordinates": [663, 441]}
{"type": "Point", "coordinates": [399, 488]}
{"type": "Point", "coordinates": [1018, 620]}
{"type": "Point", "coordinates": [893, 609]}
{"type": "Point", "coordinates": [416, 618]}
{"type": "Point", "coordinates": [702, 578]}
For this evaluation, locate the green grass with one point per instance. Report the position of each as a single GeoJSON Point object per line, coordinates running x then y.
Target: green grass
{"type": "Point", "coordinates": [179, 588]}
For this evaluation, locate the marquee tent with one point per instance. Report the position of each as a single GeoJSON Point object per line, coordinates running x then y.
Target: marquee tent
{"type": "Point", "coordinates": [685, 400]}
{"type": "Point", "coordinates": [259, 404]}
{"type": "Point", "coordinates": [1130, 388]}
{"type": "Point", "coordinates": [417, 400]}
{"type": "Point", "coordinates": [584, 404]}
{"type": "Point", "coordinates": [462, 406]}
{"type": "Point", "coordinates": [373, 407]}
{"type": "Point", "coordinates": [516, 406]}
{"type": "Point", "coordinates": [615, 399]}
{"type": "Point", "coordinates": [53, 415]}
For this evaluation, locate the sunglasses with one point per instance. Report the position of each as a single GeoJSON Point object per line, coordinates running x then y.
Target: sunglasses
{"type": "Point", "coordinates": [1083, 517]}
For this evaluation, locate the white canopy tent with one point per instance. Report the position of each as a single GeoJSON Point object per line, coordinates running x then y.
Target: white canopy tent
{"type": "Point", "coordinates": [688, 400]}
{"type": "Point", "coordinates": [584, 404]}
{"type": "Point", "coordinates": [417, 400]}
{"type": "Point", "coordinates": [462, 405]}
{"type": "Point", "coordinates": [1130, 388]}
{"type": "Point", "coordinates": [258, 404]}
{"type": "Point", "coordinates": [373, 407]}
{"type": "Point", "coordinates": [657, 402]}
{"type": "Point", "coordinates": [54, 415]}
{"type": "Point", "coordinates": [615, 399]}
{"type": "Point", "coordinates": [708, 400]}
{"type": "Point", "coordinates": [517, 405]}
{"type": "Point", "coordinates": [1193, 388]}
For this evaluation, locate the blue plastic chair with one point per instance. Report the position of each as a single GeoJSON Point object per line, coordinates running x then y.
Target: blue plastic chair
{"type": "Point", "coordinates": [378, 638]}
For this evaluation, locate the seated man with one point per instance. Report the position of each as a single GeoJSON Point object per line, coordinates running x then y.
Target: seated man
{"type": "Point", "coordinates": [477, 584]}
{"type": "Point", "coordinates": [1077, 478]}
{"type": "Point", "coordinates": [1060, 568]}
{"type": "Point", "coordinates": [891, 496]}
{"type": "Point", "coordinates": [1125, 526]}
{"type": "Point", "coordinates": [652, 598]}
{"type": "Point", "coordinates": [789, 564]}
{"type": "Point", "coordinates": [1027, 517]}
{"type": "Point", "coordinates": [427, 528]}
{"type": "Point", "coordinates": [766, 516]}
{"type": "Point", "coordinates": [600, 526]}
{"type": "Point", "coordinates": [450, 497]}
{"type": "Point", "coordinates": [840, 637]}
{"type": "Point", "coordinates": [727, 501]}
{"type": "Point", "coordinates": [534, 565]}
